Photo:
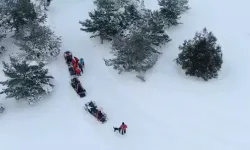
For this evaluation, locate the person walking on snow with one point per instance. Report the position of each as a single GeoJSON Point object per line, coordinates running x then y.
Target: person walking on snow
{"type": "Point", "coordinates": [121, 129]}
{"type": "Point", "coordinates": [82, 62]}
{"type": "Point", "coordinates": [80, 66]}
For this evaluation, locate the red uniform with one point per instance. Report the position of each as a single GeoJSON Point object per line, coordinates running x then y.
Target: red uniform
{"type": "Point", "coordinates": [73, 61]}
{"type": "Point", "coordinates": [78, 71]}
{"type": "Point", "coordinates": [76, 60]}
{"type": "Point", "coordinates": [123, 126]}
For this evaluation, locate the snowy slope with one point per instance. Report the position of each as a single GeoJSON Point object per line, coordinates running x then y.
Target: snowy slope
{"type": "Point", "coordinates": [169, 111]}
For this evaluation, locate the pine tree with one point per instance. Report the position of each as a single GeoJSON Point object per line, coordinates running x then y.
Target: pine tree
{"type": "Point", "coordinates": [131, 16]}
{"type": "Point", "coordinates": [26, 81]}
{"type": "Point", "coordinates": [38, 41]}
{"type": "Point", "coordinates": [151, 25]}
{"type": "Point", "coordinates": [132, 53]}
{"type": "Point", "coordinates": [154, 28]}
{"type": "Point", "coordinates": [17, 13]}
{"type": "Point", "coordinates": [201, 56]}
{"type": "Point", "coordinates": [105, 22]}
{"type": "Point", "coordinates": [171, 10]}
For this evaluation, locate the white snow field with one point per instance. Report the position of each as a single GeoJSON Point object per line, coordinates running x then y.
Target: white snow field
{"type": "Point", "coordinates": [170, 111]}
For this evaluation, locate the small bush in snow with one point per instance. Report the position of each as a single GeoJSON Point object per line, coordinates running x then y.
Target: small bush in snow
{"type": "Point", "coordinates": [105, 21]}
{"type": "Point", "coordinates": [201, 56]}
{"type": "Point", "coordinates": [133, 53]}
{"type": "Point", "coordinates": [171, 10]}
{"type": "Point", "coordinates": [26, 81]}
{"type": "Point", "coordinates": [39, 42]}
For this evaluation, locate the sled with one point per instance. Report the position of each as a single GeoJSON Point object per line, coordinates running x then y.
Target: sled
{"type": "Point", "coordinates": [68, 57]}
{"type": "Point", "coordinates": [76, 84]}
{"type": "Point", "coordinates": [92, 108]}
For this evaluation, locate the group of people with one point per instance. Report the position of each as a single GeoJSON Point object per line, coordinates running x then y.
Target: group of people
{"type": "Point", "coordinates": [77, 64]}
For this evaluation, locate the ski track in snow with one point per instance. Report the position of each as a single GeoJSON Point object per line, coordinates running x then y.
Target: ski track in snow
{"type": "Point", "coordinates": [169, 111]}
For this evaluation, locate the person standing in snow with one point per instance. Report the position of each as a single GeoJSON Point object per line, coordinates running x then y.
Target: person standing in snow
{"type": "Point", "coordinates": [82, 62]}
{"type": "Point", "coordinates": [81, 67]}
{"type": "Point", "coordinates": [76, 60]}
{"type": "Point", "coordinates": [121, 129]}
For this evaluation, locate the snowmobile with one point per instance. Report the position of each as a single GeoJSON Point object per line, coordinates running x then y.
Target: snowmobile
{"type": "Point", "coordinates": [76, 84]}
{"type": "Point", "coordinates": [68, 57]}
{"type": "Point", "coordinates": [91, 107]}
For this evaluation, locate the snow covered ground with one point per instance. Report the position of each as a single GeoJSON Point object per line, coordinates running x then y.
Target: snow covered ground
{"type": "Point", "coordinates": [169, 112]}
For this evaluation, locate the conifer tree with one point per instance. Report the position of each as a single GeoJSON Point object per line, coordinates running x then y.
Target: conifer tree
{"type": "Point", "coordinates": [105, 21]}
{"type": "Point", "coordinates": [38, 41]}
{"type": "Point", "coordinates": [201, 56]}
{"type": "Point", "coordinates": [153, 27]}
{"type": "Point", "coordinates": [171, 10]}
{"type": "Point", "coordinates": [26, 81]}
{"type": "Point", "coordinates": [132, 53]}
{"type": "Point", "coordinates": [17, 13]}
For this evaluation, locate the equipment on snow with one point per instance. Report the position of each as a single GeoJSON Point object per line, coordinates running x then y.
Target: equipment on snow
{"type": "Point", "coordinates": [71, 70]}
{"type": "Point", "coordinates": [94, 111]}
{"type": "Point", "coordinates": [68, 57]}
{"type": "Point", "coordinates": [76, 84]}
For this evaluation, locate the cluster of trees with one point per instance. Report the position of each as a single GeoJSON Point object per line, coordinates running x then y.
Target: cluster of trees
{"type": "Point", "coordinates": [136, 33]}
{"type": "Point", "coordinates": [24, 21]}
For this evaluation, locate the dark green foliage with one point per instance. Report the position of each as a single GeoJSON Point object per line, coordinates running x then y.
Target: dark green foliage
{"type": "Point", "coordinates": [26, 81]}
{"type": "Point", "coordinates": [17, 13]}
{"type": "Point", "coordinates": [105, 21]}
{"type": "Point", "coordinates": [131, 16]}
{"type": "Point", "coordinates": [201, 56]}
{"type": "Point", "coordinates": [133, 53]}
{"type": "Point", "coordinates": [39, 42]}
{"type": "Point", "coordinates": [171, 10]}
{"type": "Point", "coordinates": [153, 27]}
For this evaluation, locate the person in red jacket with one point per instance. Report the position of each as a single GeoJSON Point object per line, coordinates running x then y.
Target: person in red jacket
{"type": "Point", "coordinates": [76, 60]}
{"type": "Point", "coordinates": [121, 129]}
{"type": "Point", "coordinates": [77, 71]}
{"type": "Point", "coordinates": [73, 61]}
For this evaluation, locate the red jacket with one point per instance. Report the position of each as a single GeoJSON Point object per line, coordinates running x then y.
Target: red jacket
{"type": "Point", "coordinates": [123, 126]}
{"type": "Point", "coordinates": [73, 61]}
{"type": "Point", "coordinates": [76, 60]}
{"type": "Point", "coordinates": [78, 70]}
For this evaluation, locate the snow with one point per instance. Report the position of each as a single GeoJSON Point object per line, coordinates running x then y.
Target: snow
{"type": "Point", "coordinates": [168, 111]}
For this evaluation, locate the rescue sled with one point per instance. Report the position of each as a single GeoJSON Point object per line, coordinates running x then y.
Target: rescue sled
{"type": "Point", "coordinates": [68, 57]}
{"type": "Point", "coordinates": [92, 108]}
{"type": "Point", "coordinates": [76, 84]}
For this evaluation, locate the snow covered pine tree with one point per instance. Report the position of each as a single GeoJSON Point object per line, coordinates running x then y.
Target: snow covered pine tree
{"type": "Point", "coordinates": [26, 81]}
{"type": "Point", "coordinates": [17, 13]}
{"type": "Point", "coordinates": [133, 53]}
{"type": "Point", "coordinates": [201, 56]}
{"type": "Point", "coordinates": [105, 21]}
{"type": "Point", "coordinates": [38, 41]}
{"type": "Point", "coordinates": [171, 10]}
